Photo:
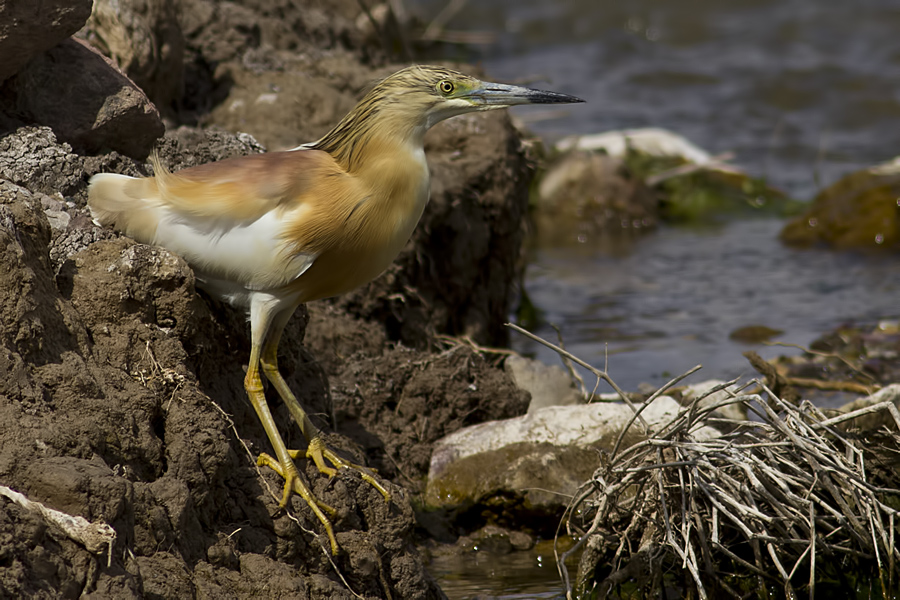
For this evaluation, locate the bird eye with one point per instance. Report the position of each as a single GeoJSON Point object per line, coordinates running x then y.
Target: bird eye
{"type": "Point", "coordinates": [446, 87]}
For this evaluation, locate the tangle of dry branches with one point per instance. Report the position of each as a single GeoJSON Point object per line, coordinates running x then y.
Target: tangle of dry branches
{"type": "Point", "coordinates": [756, 510]}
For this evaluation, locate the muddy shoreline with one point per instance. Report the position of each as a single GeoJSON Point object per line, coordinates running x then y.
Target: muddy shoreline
{"type": "Point", "coordinates": [122, 398]}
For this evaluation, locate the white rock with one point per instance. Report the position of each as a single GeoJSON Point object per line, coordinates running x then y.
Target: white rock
{"type": "Point", "coordinates": [654, 141]}
{"type": "Point", "coordinates": [543, 456]}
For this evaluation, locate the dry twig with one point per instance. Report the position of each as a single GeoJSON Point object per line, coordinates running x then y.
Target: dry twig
{"type": "Point", "coordinates": [789, 487]}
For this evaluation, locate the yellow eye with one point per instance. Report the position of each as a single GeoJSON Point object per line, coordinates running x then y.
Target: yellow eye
{"type": "Point", "coordinates": [446, 87]}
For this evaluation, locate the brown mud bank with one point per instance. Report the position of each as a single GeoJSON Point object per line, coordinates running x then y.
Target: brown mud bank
{"type": "Point", "coordinates": [121, 394]}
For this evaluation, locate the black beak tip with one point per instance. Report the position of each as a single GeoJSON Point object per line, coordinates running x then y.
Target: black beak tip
{"type": "Point", "coordinates": [543, 97]}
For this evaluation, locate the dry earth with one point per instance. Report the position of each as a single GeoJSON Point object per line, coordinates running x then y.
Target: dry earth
{"type": "Point", "coordinates": [121, 396]}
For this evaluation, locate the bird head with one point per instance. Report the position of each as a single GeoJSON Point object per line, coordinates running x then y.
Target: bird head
{"type": "Point", "coordinates": [403, 106]}
{"type": "Point", "coordinates": [436, 93]}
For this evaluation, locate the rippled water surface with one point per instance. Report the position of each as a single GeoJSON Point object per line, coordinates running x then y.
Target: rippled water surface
{"type": "Point", "coordinates": [802, 91]}
{"type": "Point", "coordinates": [531, 575]}
{"type": "Point", "coordinates": [671, 300]}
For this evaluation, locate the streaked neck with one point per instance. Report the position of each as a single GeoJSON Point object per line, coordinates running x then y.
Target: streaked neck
{"type": "Point", "coordinates": [369, 127]}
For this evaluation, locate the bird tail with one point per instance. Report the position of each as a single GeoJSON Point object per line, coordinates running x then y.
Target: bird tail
{"type": "Point", "coordinates": [129, 204]}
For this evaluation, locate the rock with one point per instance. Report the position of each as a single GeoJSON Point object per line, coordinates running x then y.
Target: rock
{"type": "Point", "coordinates": [87, 102]}
{"type": "Point", "coordinates": [78, 233]}
{"type": "Point", "coordinates": [688, 183]}
{"type": "Point", "coordinates": [495, 540]}
{"type": "Point", "coordinates": [548, 385]}
{"type": "Point", "coordinates": [282, 109]}
{"type": "Point", "coordinates": [31, 157]}
{"type": "Point", "coordinates": [861, 354]}
{"type": "Point", "coordinates": [29, 28]}
{"type": "Point", "coordinates": [187, 147]}
{"type": "Point", "coordinates": [80, 487]}
{"type": "Point", "coordinates": [57, 217]}
{"type": "Point", "coordinates": [72, 229]}
{"type": "Point", "coordinates": [754, 334]}
{"type": "Point", "coordinates": [585, 196]}
{"type": "Point", "coordinates": [223, 31]}
{"type": "Point", "coordinates": [40, 562]}
{"type": "Point", "coordinates": [653, 141]}
{"type": "Point", "coordinates": [319, 38]}
{"type": "Point", "coordinates": [857, 212]}
{"type": "Point", "coordinates": [144, 38]}
{"type": "Point", "coordinates": [531, 466]}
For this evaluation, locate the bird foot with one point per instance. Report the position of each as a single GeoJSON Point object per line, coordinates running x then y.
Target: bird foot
{"type": "Point", "coordinates": [319, 452]}
{"type": "Point", "coordinates": [294, 485]}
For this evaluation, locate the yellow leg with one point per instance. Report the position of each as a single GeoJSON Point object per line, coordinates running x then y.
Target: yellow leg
{"type": "Point", "coordinates": [263, 308]}
{"type": "Point", "coordinates": [286, 467]}
{"type": "Point", "coordinates": [317, 450]}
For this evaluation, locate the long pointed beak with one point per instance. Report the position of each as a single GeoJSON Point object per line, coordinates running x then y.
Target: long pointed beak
{"type": "Point", "coordinates": [500, 94]}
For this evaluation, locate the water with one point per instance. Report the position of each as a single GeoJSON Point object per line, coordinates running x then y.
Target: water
{"type": "Point", "coordinates": [673, 298]}
{"type": "Point", "coordinates": [802, 91]}
{"type": "Point", "coordinates": [531, 575]}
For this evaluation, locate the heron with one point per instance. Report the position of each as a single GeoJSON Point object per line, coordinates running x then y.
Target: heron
{"type": "Point", "coordinates": [269, 232]}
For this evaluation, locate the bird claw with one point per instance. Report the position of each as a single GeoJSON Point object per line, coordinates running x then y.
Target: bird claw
{"type": "Point", "coordinates": [319, 452]}
{"type": "Point", "coordinates": [294, 485]}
